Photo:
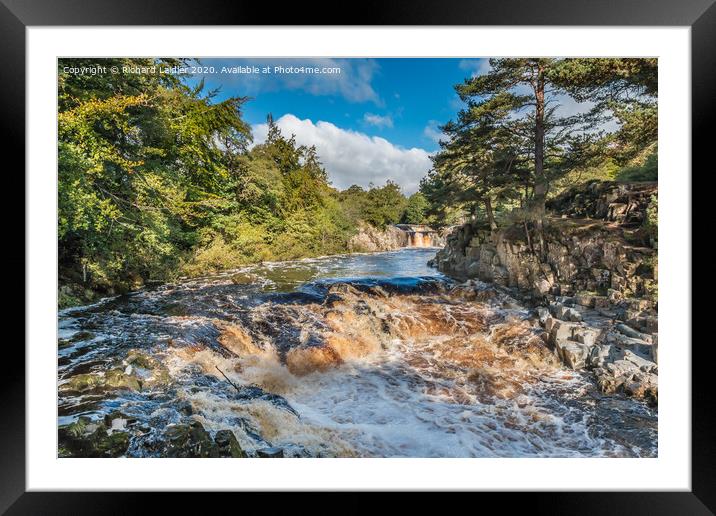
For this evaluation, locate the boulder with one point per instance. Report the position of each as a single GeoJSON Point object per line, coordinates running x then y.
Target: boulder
{"type": "Point", "coordinates": [88, 438]}
{"type": "Point", "coordinates": [228, 445]}
{"type": "Point", "coordinates": [587, 335]}
{"type": "Point", "coordinates": [190, 440]}
{"type": "Point", "coordinates": [561, 330]}
{"type": "Point", "coordinates": [118, 379]}
{"type": "Point", "coordinates": [270, 453]}
{"type": "Point", "coordinates": [573, 353]}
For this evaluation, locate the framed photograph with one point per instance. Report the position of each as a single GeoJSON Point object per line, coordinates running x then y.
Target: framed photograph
{"type": "Point", "coordinates": [420, 252]}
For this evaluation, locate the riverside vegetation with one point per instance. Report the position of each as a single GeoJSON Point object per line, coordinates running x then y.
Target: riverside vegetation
{"type": "Point", "coordinates": [156, 180]}
{"type": "Point", "coordinates": [532, 333]}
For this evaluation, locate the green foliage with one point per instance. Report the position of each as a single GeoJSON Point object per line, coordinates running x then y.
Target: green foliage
{"type": "Point", "coordinates": [415, 209]}
{"type": "Point", "coordinates": [641, 170]}
{"type": "Point", "coordinates": [156, 180]}
{"type": "Point", "coordinates": [510, 147]}
{"type": "Point", "coordinates": [378, 206]}
{"type": "Point", "coordinates": [142, 162]}
{"type": "Point", "coordinates": [623, 88]}
{"type": "Point", "coordinates": [607, 170]}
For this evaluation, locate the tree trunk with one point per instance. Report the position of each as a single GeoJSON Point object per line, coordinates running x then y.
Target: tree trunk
{"type": "Point", "coordinates": [541, 184]}
{"type": "Point", "coordinates": [490, 214]}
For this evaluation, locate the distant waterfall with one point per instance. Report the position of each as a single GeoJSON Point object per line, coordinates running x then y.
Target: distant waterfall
{"type": "Point", "coordinates": [419, 235]}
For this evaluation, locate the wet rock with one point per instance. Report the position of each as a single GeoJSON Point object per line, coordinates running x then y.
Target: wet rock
{"type": "Point", "coordinates": [82, 382]}
{"type": "Point", "coordinates": [115, 421]}
{"type": "Point", "coordinates": [270, 453]}
{"type": "Point", "coordinates": [244, 278]}
{"type": "Point", "coordinates": [118, 379]}
{"type": "Point", "coordinates": [87, 438]}
{"type": "Point", "coordinates": [228, 445]}
{"type": "Point", "coordinates": [190, 440]}
{"type": "Point", "coordinates": [148, 371]}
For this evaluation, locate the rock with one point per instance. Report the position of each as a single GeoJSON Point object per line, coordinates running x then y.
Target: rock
{"type": "Point", "coordinates": [87, 438]}
{"type": "Point", "coordinates": [82, 382]}
{"type": "Point", "coordinates": [570, 314]}
{"type": "Point", "coordinates": [244, 278]}
{"type": "Point", "coordinates": [600, 355]}
{"type": "Point", "coordinates": [608, 383]}
{"type": "Point", "coordinates": [561, 330]}
{"type": "Point", "coordinates": [587, 335]}
{"type": "Point", "coordinates": [585, 299]}
{"type": "Point", "coordinates": [118, 379]}
{"type": "Point", "coordinates": [573, 353]}
{"type": "Point", "coordinates": [190, 440]}
{"type": "Point", "coordinates": [147, 370]}
{"type": "Point", "coordinates": [228, 445]}
{"type": "Point", "coordinates": [543, 314]}
{"type": "Point", "coordinates": [116, 421]}
{"type": "Point", "coordinates": [270, 453]}
{"type": "Point", "coordinates": [565, 313]}
{"type": "Point", "coordinates": [602, 303]}
{"type": "Point", "coordinates": [632, 333]}
{"type": "Point", "coordinates": [643, 386]}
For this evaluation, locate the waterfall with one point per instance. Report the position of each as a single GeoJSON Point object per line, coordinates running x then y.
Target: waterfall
{"type": "Point", "coordinates": [418, 235]}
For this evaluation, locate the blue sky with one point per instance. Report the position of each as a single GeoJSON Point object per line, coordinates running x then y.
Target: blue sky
{"type": "Point", "coordinates": [409, 94]}
{"type": "Point", "coordinates": [375, 120]}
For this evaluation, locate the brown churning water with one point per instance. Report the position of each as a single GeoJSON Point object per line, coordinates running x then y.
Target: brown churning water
{"type": "Point", "coordinates": [344, 356]}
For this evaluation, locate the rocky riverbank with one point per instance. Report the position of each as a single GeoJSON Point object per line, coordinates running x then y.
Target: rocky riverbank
{"type": "Point", "coordinates": [594, 288]}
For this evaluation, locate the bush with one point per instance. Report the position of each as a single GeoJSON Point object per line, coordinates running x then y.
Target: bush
{"type": "Point", "coordinates": [647, 171]}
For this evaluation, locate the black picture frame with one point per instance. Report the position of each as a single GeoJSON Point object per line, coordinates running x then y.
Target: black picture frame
{"type": "Point", "coordinates": [16, 15]}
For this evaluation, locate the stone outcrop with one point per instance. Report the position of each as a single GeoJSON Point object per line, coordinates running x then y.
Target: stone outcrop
{"type": "Point", "coordinates": [138, 371]}
{"type": "Point", "coordinates": [595, 242]}
{"type": "Point", "coordinates": [370, 240]}
{"type": "Point", "coordinates": [581, 255]}
{"type": "Point", "coordinates": [621, 358]}
{"type": "Point", "coordinates": [624, 203]}
{"type": "Point", "coordinates": [596, 281]}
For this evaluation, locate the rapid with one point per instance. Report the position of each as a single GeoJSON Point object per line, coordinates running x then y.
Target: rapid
{"type": "Point", "coordinates": [362, 355]}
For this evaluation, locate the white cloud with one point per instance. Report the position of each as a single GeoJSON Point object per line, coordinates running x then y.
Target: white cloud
{"type": "Point", "coordinates": [377, 120]}
{"type": "Point", "coordinates": [475, 66]}
{"type": "Point", "coordinates": [351, 157]}
{"type": "Point", "coordinates": [433, 132]}
{"type": "Point", "coordinates": [353, 82]}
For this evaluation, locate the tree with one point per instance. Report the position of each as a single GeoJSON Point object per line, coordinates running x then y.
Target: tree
{"type": "Point", "coordinates": [517, 103]}
{"type": "Point", "coordinates": [480, 162]}
{"type": "Point", "coordinates": [626, 88]}
{"type": "Point", "coordinates": [415, 209]}
{"type": "Point", "coordinates": [141, 166]}
{"type": "Point", "coordinates": [385, 205]}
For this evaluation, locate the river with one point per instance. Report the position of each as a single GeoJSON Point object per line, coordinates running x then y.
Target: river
{"type": "Point", "coordinates": [366, 355]}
